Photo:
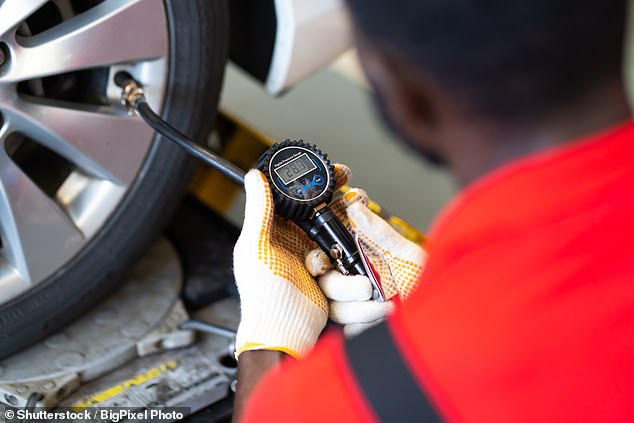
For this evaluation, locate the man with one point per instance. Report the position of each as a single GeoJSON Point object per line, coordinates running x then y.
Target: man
{"type": "Point", "coordinates": [525, 309]}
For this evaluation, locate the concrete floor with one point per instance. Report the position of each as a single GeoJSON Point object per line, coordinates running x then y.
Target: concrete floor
{"type": "Point", "coordinates": [336, 113]}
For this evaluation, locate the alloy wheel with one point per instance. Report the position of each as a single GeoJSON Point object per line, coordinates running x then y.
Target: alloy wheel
{"type": "Point", "coordinates": [69, 150]}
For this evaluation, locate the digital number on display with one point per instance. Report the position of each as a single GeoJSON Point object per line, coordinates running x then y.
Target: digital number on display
{"type": "Point", "coordinates": [295, 169]}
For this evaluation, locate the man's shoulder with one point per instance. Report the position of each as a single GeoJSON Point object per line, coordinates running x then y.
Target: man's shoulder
{"type": "Point", "coordinates": [319, 388]}
{"type": "Point", "coordinates": [538, 321]}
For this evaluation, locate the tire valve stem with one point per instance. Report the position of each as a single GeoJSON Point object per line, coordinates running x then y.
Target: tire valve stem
{"type": "Point", "coordinates": [132, 93]}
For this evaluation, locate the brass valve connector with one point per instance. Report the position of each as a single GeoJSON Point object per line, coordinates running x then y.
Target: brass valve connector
{"type": "Point", "coordinates": [132, 93]}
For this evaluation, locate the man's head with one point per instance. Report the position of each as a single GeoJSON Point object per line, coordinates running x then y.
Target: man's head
{"type": "Point", "coordinates": [437, 65]}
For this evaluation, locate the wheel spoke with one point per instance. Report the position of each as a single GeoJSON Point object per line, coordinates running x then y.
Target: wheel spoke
{"type": "Point", "coordinates": [41, 230]}
{"type": "Point", "coordinates": [14, 12]}
{"type": "Point", "coordinates": [97, 139]}
{"type": "Point", "coordinates": [107, 34]}
{"type": "Point", "coordinates": [36, 233]}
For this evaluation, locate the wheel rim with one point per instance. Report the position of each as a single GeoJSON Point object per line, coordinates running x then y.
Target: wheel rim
{"type": "Point", "coordinates": [69, 150]}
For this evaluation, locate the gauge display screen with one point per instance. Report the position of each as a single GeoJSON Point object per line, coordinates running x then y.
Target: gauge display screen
{"type": "Point", "coordinates": [295, 169]}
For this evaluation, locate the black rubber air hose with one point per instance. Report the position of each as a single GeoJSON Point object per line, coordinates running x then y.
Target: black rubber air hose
{"type": "Point", "coordinates": [224, 166]}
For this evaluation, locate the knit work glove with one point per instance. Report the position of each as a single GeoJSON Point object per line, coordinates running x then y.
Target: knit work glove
{"type": "Point", "coordinates": [398, 261]}
{"type": "Point", "coordinates": [282, 307]}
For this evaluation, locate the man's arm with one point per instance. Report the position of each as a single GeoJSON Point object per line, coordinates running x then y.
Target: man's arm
{"type": "Point", "coordinates": [318, 388]}
{"type": "Point", "coordinates": [252, 367]}
{"type": "Point", "coordinates": [282, 308]}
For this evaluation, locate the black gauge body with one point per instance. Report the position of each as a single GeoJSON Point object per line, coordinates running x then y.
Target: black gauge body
{"type": "Point", "coordinates": [301, 178]}
{"type": "Point", "coordinates": [302, 181]}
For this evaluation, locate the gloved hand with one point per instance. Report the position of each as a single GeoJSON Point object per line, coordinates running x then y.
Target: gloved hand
{"type": "Point", "coordinates": [281, 304]}
{"type": "Point", "coordinates": [398, 261]}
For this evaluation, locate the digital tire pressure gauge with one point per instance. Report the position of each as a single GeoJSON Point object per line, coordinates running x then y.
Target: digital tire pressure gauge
{"type": "Point", "coordinates": [302, 181]}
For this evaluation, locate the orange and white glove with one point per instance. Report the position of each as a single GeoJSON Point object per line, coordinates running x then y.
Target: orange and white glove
{"type": "Point", "coordinates": [398, 261]}
{"type": "Point", "coordinates": [282, 307]}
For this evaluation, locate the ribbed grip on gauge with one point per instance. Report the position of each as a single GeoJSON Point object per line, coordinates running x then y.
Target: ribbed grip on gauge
{"type": "Point", "coordinates": [285, 206]}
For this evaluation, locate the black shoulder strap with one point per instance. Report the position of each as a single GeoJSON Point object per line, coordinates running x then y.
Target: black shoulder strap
{"type": "Point", "coordinates": [385, 379]}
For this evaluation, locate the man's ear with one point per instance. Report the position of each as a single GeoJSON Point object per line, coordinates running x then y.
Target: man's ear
{"type": "Point", "coordinates": [405, 97]}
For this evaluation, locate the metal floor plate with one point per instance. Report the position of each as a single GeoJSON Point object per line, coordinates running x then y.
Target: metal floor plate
{"type": "Point", "coordinates": [192, 377]}
{"type": "Point", "coordinates": [126, 355]}
{"type": "Point", "coordinates": [140, 318]}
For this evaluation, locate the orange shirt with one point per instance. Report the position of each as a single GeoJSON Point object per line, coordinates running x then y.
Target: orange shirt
{"type": "Point", "coordinates": [525, 312]}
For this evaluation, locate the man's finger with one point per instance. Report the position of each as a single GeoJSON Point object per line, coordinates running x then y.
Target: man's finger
{"type": "Point", "coordinates": [258, 211]}
{"type": "Point", "coordinates": [373, 230]}
{"type": "Point", "coordinates": [359, 311]}
{"type": "Point", "coordinates": [353, 329]}
{"type": "Point", "coordinates": [317, 262]}
{"type": "Point", "coordinates": [339, 287]}
{"type": "Point", "coordinates": [343, 199]}
{"type": "Point", "coordinates": [342, 175]}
